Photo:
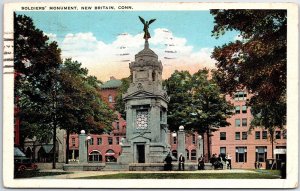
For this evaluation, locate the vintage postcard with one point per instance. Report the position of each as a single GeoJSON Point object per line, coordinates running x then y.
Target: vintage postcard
{"type": "Point", "coordinates": [150, 95]}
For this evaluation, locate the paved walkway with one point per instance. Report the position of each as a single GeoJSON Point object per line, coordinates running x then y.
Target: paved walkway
{"type": "Point", "coordinates": [80, 174]}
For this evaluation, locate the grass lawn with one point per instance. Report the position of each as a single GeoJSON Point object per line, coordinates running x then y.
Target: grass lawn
{"type": "Point", "coordinates": [185, 176]}
{"type": "Point", "coordinates": [36, 173]}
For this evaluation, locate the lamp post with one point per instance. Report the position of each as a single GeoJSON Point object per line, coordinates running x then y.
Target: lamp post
{"type": "Point", "coordinates": [88, 138]}
{"type": "Point", "coordinates": [174, 134]}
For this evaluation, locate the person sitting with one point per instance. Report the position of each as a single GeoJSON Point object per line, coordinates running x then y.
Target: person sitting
{"type": "Point", "coordinates": [228, 159]}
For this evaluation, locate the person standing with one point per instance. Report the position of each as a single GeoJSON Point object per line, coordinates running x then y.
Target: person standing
{"type": "Point", "coordinates": [228, 158]}
{"type": "Point", "coordinates": [201, 163]}
{"type": "Point", "coordinates": [168, 161]}
{"type": "Point", "coordinates": [181, 162]}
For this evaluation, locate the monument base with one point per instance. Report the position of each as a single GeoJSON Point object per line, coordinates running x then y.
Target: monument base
{"type": "Point", "coordinates": [84, 167]}
{"type": "Point", "coordinates": [113, 166]}
{"type": "Point", "coordinates": [152, 153]}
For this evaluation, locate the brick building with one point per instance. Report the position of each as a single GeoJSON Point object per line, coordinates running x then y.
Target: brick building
{"type": "Point", "coordinates": [104, 147]}
{"type": "Point", "coordinates": [243, 146]}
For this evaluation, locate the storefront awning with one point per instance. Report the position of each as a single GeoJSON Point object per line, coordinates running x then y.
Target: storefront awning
{"type": "Point", "coordinates": [279, 151]}
{"type": "Point", "coordinates": [109, 154]}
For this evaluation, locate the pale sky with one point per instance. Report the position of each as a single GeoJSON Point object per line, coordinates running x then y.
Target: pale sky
{"type": "Point", "coordinates": [106, 42]}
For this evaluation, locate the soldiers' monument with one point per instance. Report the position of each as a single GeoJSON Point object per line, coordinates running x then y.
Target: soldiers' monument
{"type": "Point", "coordinates": [146, 104]}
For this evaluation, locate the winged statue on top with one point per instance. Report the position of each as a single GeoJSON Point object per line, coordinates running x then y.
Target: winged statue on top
{"type": "Point", "coordinates": [146, 27]}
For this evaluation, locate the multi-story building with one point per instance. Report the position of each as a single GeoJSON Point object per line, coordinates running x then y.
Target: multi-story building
{"type": "Point", "coordinates": [244, 146]}
{"type": "Point", "coordinates": [105, 147]}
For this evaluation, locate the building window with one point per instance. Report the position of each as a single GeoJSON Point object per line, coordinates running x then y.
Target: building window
{"type": "Point", "coordinates": [110, 140]}
{"type": "Point", "coordinates": [278, 134]}
{"type": "Point", "coordinates": [117, 140]}
{"type": "Point", "coordinates": [223, 152]}
{"type": "Point", "coordinates": [95, 156]}
{"type": "Point", "coordinates": [244, 109]}
{"type": "Point", "coordinates": [73, 142]}
{"type": "Point", "coordinates": [257, 134]}
{"type": "Point", "coordinates": [194, 139]}
{"type": "Point", "coordinates": [244, 135]}
{"type": "Point", "coordinates": [117, 125]}
{"type": "Point", "coordinates": [110, 156]}
{"type": "Point", "coordinates": [174, 153]}
{"type": "Point", "coordinates": [193, 155]}
{"type": "Point", "coordinates": [237, 135]}
{"type": "Point", "coordinates": [239, 96]}
{"type": "Point", "coordinates": [284, 134]}
{"type": "Point", "coordinates": [237, 109]}
{"type": "Point", "coordinates": [110, 99]}
{"type": "Point", "coordinates": [222, 135]}
{"type": "Point", "coordinates": [264, 135]}
{"type": "Point", "coordinates": [244, 122]}
{"type": "Point", "coordinates": [241, 154]}
{"type": "Point", "coordinates": [99, 141]}
{"type": "Point", "coordinates": [261, 154]}
{"type": "Point", "coordinates": [237, 122]}
{"type": "Point", "coordinates": [187, 154]}
{"type": "Point", "coordinates": [92, 141]}
{"type": "Point", "coordinates": [174, 140]}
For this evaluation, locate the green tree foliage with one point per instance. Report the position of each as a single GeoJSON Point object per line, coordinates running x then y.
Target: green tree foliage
{"type": "Point", "coordinates": [179, 90]}
{"type": "Point", "coordinates": [196, 102]}
{"type": "Point", "coordinates": [51, 94]}
{"type": "Point", "coordinates": [257, 62]}
{"type": "Point", "coordinates": [269, 117]}
{"type": "Point", "coordinates": [120, 104]}
{"type": "Point", "coordinates": [79, 105]}
{"type": "Point", "coordinates": [35, 61]}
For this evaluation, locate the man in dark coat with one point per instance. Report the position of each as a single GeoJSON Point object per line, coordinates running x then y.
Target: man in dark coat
{"type": "Point", "coordinates": [181, 162]}
{"type": "Point", "coordinates": [168, 160]}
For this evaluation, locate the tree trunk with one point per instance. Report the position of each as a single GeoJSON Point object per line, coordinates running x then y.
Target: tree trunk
{"type": "Point", "coordinates": [272, 142]}
{"type": "Point", "coordinates": [54, 118]}
{"type": "Point", "coordinates": [67, 146]}
{"type": "Point", "coordinates": [54, 145]}
{"type": "Point", "coordinates": [208, 145]}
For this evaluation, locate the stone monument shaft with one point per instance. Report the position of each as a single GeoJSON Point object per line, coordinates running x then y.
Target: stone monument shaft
{"type": "Point", "coordinates": [146, 105]}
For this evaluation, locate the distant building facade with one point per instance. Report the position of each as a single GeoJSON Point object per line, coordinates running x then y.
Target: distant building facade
{"type": "Point", "coordinates": [246, 148]}
{"type": "Point", "coordinates": [103, 147]}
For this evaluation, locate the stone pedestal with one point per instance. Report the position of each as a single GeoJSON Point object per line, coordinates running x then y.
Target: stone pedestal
{"type": "Point", "coordinates": [181, 142]}
{"type": "Point", "coordinates": [200, 147]}
{"type": "Point", "coordinates": [82, 148]}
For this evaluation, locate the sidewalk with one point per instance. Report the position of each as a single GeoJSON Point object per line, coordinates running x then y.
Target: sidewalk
{"type": "Point", "coordinates": [80, 174]}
